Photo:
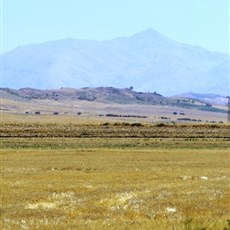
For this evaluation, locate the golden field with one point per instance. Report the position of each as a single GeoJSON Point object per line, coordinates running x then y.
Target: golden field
{"type": "Point", "coordinates": [114, 175]}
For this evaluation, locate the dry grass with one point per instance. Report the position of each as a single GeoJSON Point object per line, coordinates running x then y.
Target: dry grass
{"type": "Point", "coordinates": [68, 110]}
{"type": "Point", "coordinates": [44, 129]}
{"type": "Point", "coordinates": [66, 173]}
{"type": "Point", "coordinates": [114, 183]}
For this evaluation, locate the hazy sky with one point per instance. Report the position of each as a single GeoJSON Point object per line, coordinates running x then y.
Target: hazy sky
{"type": "Point", "coordinates": [197, 22]}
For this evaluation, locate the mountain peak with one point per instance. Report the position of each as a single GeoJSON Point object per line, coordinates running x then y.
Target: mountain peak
{"type": "Point", "coordinates": [150, 35]}
{"type": "Point", "coordinates": [149, 31]}
{"type": "Point", "coordinates": [147, 61]}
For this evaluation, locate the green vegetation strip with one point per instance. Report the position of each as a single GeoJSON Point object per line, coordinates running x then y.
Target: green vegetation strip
{"type": "Point", "coordinates": [114, 130]}
{"type": "Point", "coordinates": [110, 143]}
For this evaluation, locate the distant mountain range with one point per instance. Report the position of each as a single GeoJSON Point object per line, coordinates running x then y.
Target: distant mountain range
{"type": "Point", "coordinates": [147, 61]}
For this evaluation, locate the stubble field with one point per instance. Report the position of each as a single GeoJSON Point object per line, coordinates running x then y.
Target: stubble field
{"type": "Point", "coordinates": [114, 175]}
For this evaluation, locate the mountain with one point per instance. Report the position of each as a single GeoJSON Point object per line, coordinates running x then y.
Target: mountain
{"type": "Point", "coordinates": [209, 98]}
{"type": "Point", "coordinates": [148, 61]}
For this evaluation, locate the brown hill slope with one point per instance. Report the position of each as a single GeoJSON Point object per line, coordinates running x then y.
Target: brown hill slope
{"type": "Point", "coordinates": [107, 95]}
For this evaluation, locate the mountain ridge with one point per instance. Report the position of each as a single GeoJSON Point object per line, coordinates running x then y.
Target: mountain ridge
{"type": "Point", "coordinates": [148, 61]}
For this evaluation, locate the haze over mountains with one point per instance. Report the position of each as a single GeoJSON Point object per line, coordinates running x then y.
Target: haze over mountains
{"type": "Point", "coordinates": [148, 61]}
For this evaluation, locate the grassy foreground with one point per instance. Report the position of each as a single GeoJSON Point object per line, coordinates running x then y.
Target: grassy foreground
{"type": "Point", "coordinates": [115, 183]}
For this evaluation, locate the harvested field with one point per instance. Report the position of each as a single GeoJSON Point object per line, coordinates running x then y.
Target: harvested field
{"type": "Point", "coordinates": [113, 130]}
{"type": "Point", "coordinates": [114, 176]}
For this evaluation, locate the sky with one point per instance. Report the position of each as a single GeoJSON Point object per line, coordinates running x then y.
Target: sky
{"type": "Point", "coordinates": [202, 23]}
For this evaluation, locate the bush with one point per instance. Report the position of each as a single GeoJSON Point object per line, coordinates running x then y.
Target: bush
{"type": "Point", "coordinates": [161, 125]}
{"type": "Point", "coordinates": [121, 124]}
{"type": "Point", "coordinates": [106, 123]}
{"type": "Point", "coordinates": [136, 124]}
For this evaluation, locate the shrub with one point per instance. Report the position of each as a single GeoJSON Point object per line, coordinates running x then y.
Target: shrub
{"type": "Point", "coordinates": [136, 124]}
{"type": "Point", "coordinates": [161, 125]}
{"type": "Point", "coordinates": [106, 123]}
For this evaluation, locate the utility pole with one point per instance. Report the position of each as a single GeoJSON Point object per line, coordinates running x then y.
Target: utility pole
{"type": "Point", "coordinates": [228, 98]}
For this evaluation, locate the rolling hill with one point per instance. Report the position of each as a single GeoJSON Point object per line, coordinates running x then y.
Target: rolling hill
{"type": "Point", "coordinates": [209, 98]}
{"type": "Point", "coordinates": [105, 95]}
